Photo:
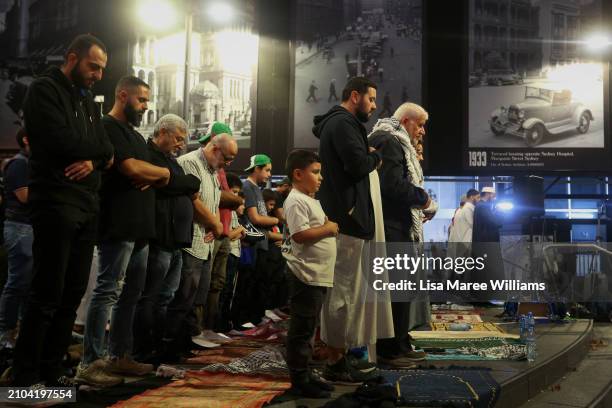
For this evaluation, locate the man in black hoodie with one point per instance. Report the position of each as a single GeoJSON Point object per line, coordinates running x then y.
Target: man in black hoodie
{"type": "Point", "coordinates": [69, 148]}
{"type": "Point", "coordinates": [346, 162]}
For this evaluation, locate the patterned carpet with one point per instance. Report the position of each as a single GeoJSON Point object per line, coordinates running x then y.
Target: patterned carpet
{"type": "Point", "coordinates": [211, 390]}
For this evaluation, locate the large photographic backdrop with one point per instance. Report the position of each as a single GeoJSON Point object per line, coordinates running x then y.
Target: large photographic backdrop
{"type": "Point", "coordinates": [223, 51]}
{"type": "Point", "coordinates": [536, 88]}
{"type": "Point", "coordinates": [338, 39]}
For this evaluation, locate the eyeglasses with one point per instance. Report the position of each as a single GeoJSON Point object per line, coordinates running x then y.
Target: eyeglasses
{"type": "Point", "coordinates": [227, 159]}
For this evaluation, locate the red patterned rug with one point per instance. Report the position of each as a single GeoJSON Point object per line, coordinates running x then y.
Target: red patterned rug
{"type": "Point", "coordinates": [211, 390]}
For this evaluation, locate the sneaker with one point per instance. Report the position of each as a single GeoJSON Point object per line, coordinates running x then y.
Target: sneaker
{"type": "Point", "coordinates": [343, 372]}
{"type": "Point", "coordinates": [6, 379]}
{"type": "Point", "coordinates": [414, 355]}
{"type": "Point", "coordinates": [360, 364]}
{"type": "Point", "coordinates": [127, 366]}
{"type": "Point", "coordinates": [397, 362]}
{"type": "Point", "coordinates": [315, 379]}
{"type": "Point", "coordinates": [63, 381]}
{"type": "Point", "coordinates": [8, 338]}
{"type": "Point", "coordinates": [308, 390]}
{"type": "Point", "coordinates": [95, 374]}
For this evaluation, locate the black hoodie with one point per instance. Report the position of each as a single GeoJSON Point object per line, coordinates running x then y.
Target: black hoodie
{"type": "Point", "coordinates": [63, 126]}
{"type": "Point", "coordinates": [346, 164]}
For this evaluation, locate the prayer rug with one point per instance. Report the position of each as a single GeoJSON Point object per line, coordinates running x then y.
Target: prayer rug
{"type": "Point", "coordinates": [455, 318]}
{"type": "Point", "coordinates": [448, 342]}
{"type": "Point", "coordinates": [472, 334]}
{"type": "Point", "coordinates": [211, 390]}
{"type": "Point", "coordinates": [501, 352]}
{"type": "Point", "coordinates": [220, 355]}
{"type": "Point", "coordinates": [267, 361]}
{"type": "Point", "coordinates": [482, 326]}
{"type": "Point", "coordinates": [444, 387]}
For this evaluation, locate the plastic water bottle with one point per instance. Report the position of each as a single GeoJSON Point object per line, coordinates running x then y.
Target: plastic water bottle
{"type": "Point", "coordinates": [530, 321]}
{"type": "Point", "coordinates": [532, 352]}
{"type": "Point", "coordinates": [523, 327]}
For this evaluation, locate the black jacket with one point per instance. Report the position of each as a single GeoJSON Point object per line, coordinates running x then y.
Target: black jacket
{"type": "Point", "coordinates": [180, 184]}
{"type": "Point", "coordinates": [486, 224]}
{"type": "Point", "coordinates": [398, 192]}
{"type": "Point", "coordinates": [63, 126]}
{"type": "Point", "coordinates": [346, 165]}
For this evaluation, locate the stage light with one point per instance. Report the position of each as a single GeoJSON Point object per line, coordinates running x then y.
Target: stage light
{"type": "Point", "coordinates": [221, 12]}
{"type": "Point", "coordinates": [157, 14]}
{"type": "Point", "coordinates": [504, 206]}
{"type": "Point", "coordinates": [598, 42]}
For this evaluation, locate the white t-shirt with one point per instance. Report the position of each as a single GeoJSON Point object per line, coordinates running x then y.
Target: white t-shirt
{"type": "Point", "coordinates": [312, 263]}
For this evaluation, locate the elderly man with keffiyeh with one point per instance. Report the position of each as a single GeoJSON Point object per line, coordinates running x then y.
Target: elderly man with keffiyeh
{"type": "Point", "coordinates": [406, 205]}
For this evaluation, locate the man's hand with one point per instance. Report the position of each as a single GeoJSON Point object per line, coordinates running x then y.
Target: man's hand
{"type": "Point", "coordinates": [379, 165]}
{"type": "Point", "coordinates": [427, 204]}
{"type": "Point", "coordinates": [109, 163]}
{"type": "Point", "coordinates": [210, 237]}
{"type": "Point", "coordinates": [218, 229]}
{"type": "Point", "coordinates": [241, 233]}
{"type": "Point", "coordinates": [162, 182]}
{"type": "Point", "coordinates": [79, 170]}
{"type": "Point", "coordinates": [332, 227]}
{"type": "Point", "coordinates": [427, 216]}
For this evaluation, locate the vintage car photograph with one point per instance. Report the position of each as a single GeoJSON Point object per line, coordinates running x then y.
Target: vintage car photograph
{"type": "Point", "coordinates": [542, 112]}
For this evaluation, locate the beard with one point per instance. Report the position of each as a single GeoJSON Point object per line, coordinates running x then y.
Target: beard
{"type": "Point", "coordinates": [133, 116]}
{"type": "Point", "coordinates": [363, 117]}
{"type": "Point", "coordinates": [78, 78]}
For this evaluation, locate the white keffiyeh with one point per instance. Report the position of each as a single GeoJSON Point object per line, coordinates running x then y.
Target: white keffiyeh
{"type": "Point", "coordinates": [413, 167]}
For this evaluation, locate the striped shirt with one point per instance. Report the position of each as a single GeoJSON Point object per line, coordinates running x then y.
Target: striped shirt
{"type": "Point", "coordinates": [210, 193]}
{"type": "Point", "coordinates": [235, 244]}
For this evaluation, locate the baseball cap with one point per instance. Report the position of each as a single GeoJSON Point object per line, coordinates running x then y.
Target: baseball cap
{"type": "Point", "coordinates": [217, 128]}
{"type": "Point", "coordinates": [488, 190]}
{"type": "Point", "coordinates": [258, 160]}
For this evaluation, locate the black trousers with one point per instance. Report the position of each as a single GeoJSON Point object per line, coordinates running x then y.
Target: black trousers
{"type": "Point", "coordinates": [177, 330]}
{"type": "Point", "coordinates": [305, 304]}
{"type": "Point", "coordinates": [399, 344]}
{"type": "Point", "coordinates": [64, 238]}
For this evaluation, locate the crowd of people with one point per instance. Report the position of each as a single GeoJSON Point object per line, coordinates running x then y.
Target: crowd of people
{"type": "Point", "coordinates": [184, 245]}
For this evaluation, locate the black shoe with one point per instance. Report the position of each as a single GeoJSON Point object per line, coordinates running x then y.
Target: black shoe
{"type": "Point", "coordinates": [344, 373]}
{"type": "Point", "coordinates": [314, 378]}
{"type": "Point", "coordinates": [308, 390]}
{"type": "Point", "coordinates": [359, 364]}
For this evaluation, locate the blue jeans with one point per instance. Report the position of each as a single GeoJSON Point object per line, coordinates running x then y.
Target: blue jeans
{"type": "Point", "coordinates": [18, 238]}
{"type": "Point", "coordinates": [119, 284]}
{"type": "Point", "coordinates": [163, 277]}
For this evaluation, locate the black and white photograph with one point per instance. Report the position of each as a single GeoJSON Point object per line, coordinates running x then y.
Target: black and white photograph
{"type": "Point", "coordinates": [150, 40]}
{"type": "Point", "coordinates": [534, 82]}
{"type": "Point", "coordinates": [336, 40]}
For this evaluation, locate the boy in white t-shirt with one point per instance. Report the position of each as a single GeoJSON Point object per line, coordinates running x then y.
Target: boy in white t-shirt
{"type": "Point", "coordinates": [310, 255]}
